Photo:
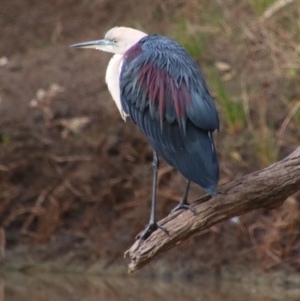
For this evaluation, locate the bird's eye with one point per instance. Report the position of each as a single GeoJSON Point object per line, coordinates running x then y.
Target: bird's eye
{"type": "Point", "coordinates": [115, 41]}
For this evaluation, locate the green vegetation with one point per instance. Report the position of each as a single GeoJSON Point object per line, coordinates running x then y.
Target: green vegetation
{"type": "Point", "coordinates": [5, 139]}
{"type": "Point", "coordinates": [193, 42]}
{"type": "Point", "coordinates": [231, 107]}
{"type": "Point", "coordinates": [270, 46]}
{"type": "Point", "coordinates": [260, 5]}
{"type": "Point", "coordinates": [265, 144]}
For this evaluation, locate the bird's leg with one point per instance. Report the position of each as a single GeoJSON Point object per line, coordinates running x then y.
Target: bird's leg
{"type": "Point", "coordinates": [152, 226]}
{"type": "Point", "coordinates": [183, 204]}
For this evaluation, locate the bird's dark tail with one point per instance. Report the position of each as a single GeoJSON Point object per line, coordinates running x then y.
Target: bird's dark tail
{"type": "Point", "coordinates": [193, 155]}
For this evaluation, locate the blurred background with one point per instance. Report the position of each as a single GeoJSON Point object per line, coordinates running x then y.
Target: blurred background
{"type": "Point", "coordinates": [75, 180]}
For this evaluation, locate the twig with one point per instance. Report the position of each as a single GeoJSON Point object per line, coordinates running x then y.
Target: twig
{"type": "Point", "coordinates": [267, 188]}
{"type": "Point", "coordinates": [269, 12]}
{"type": "Point", "coordinates": [69, 158]}
{"type": "Point", "coordinates": [36, 210]}
{"type": "Point", "coordinates": [2, 244]}
{"type": "Point", "coordinates": [282, 129]}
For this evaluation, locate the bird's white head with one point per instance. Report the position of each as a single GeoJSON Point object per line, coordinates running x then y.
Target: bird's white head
{"type": "Point", "coordinates": [117, 40]}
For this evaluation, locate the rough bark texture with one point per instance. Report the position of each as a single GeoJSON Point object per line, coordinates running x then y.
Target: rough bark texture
{"type": "Point", "coordinates": [266, 188]}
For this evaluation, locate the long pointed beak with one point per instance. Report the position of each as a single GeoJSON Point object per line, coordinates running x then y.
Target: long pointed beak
{"type": "Point", "coordinates": [99, 44]}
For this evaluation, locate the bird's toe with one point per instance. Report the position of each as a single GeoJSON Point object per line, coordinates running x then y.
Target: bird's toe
{"type": "Point", "coordinates": [149, 229]}
{"type": "Point", "coordinates": [184, 206]}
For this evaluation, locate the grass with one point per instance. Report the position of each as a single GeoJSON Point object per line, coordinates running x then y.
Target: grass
{"type": "Point", "coordinates": [265, 143]}
{"type": "Point", "coordinates": [190, 39]}
{"type": "Point", "coordinates": [232, 107]}
{"type": "Point", "coordinates": [279, 48]}
{"type": "Point", "coordinates": [297, 111]}
{"type": "Point", "coordinates": [260, 5]}
{"type": "Point", "coordinates": [5, 139]}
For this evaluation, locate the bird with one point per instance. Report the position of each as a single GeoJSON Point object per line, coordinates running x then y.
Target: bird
{"type": "Point", "coordinates": [154, 81]}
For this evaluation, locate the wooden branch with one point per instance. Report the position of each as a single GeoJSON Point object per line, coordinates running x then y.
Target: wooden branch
{"type": "Point", "coordinates": [266, 188]}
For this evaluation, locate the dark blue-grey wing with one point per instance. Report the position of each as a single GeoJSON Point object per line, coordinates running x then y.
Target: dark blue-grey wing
{"type": "Point", "coordinates": [193, 154]}
{"type": "Point", "coordinates": [158, 73]}
{"type": "Point", "coordinates": [164, 92]}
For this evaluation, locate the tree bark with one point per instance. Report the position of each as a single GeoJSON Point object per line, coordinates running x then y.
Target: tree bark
{"type": "Point", "coordinates": [266, 188]}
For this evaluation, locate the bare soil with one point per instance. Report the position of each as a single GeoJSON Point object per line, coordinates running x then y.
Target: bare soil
{"type": "Point", "coordinates": [75, 180]}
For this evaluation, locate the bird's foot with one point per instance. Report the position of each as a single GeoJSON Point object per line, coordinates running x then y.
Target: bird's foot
{"type": "Point", "coordinates": [184, 205]}
{"type": "Point", "coordinates": [149, 229]}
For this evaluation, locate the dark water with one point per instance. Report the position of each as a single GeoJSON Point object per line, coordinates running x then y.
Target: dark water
{"type": "Point", "coordinates": [46, 287]}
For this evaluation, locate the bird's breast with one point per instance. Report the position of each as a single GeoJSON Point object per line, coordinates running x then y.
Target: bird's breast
{"type": "Point", "coordinates": [112, 79]}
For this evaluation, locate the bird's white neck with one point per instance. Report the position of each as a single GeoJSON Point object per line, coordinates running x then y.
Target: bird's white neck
{"type": "Point", "coordinates": [112, 81]}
